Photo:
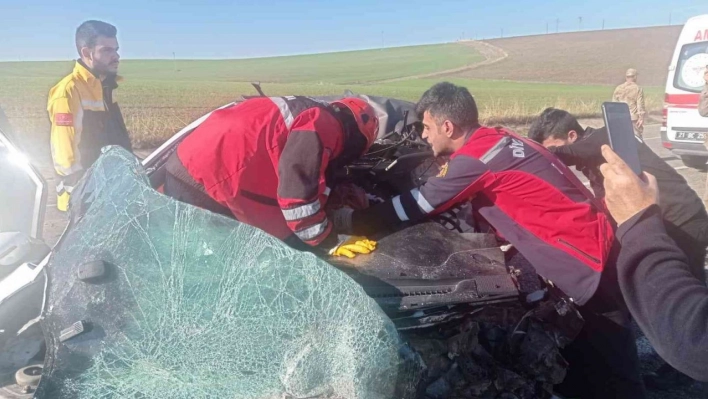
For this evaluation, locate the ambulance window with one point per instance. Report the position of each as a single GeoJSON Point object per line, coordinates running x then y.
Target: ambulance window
{"type": "Point", "coordinates": [691, 66]}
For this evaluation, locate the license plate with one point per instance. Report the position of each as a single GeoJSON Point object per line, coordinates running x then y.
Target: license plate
{"type": "Point", "coordinates": [691, 136]}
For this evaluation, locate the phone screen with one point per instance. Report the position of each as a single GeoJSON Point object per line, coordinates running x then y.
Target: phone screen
{"type": "Point", "coordinates": [620, 132]}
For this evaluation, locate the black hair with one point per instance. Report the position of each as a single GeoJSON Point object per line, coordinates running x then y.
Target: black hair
{"type": "Point", "coordinates": [89, 31]}
{"type": "Point", "coordinates": [446, 101]}
{"type": "Point", "coordinates": [555, 123]}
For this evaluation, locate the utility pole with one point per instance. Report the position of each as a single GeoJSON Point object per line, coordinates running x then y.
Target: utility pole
{"type": "Point", "coordinates": [580, 23]}
{"type": "Point", "coordinates": [557, 24]}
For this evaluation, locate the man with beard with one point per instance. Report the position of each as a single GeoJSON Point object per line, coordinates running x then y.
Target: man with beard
{"type": "Point", "coordinates": [81, 109]}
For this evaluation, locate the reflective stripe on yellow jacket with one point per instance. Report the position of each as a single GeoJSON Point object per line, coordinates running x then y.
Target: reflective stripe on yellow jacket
{"type": "Point", "coordinates": [81, 123]}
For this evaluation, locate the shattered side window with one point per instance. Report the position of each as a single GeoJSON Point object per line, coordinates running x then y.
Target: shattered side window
{"type": "Point", "coordinates": [177, 302]}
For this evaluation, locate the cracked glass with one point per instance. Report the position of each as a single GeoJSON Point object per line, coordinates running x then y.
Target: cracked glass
{"type": "Point", "coordinates": [177, 302]}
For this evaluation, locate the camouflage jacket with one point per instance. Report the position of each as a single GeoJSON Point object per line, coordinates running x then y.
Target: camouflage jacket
{"type": "Point", "coordinates": [633, 95]}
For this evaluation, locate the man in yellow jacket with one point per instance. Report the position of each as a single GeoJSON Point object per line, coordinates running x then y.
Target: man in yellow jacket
{"type": "Point", "coordinates": [81, 109]}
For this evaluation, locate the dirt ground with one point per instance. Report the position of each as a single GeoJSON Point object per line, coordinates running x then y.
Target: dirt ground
{"type": "Point", "coordinates": [597, 57]}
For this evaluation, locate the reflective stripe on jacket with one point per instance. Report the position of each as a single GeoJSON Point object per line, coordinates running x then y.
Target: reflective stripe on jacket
{"type": "Point", "coordinates": [530, 198]}
{"type": "Point", "coordinates": [84, 118]}
{"type": "Point", "coordinates": [265, 159]}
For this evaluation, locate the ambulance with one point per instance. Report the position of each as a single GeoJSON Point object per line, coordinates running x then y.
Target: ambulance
{"type": "Point", "coordinates": [683, 130]}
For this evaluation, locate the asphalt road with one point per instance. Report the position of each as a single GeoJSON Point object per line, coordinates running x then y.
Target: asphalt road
{"type": "Point", "coordinates": [652, 137]}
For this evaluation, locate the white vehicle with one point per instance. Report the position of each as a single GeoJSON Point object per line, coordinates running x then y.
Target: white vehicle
{"type": "Point", "coordinates": [684, 130]}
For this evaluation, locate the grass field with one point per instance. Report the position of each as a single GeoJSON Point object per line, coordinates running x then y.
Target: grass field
{"type": "Point", "coordinates": [330, 68]}
{"type": "Point", "coordinates": [158, 97]}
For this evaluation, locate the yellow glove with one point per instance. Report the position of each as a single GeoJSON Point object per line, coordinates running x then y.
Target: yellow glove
{"type": "Point", "coordinates": [350, 246]}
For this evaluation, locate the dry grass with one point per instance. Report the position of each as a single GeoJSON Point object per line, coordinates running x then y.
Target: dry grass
{"type": "Point", "coordinates": [502, 112]}
{"type": "Point", "coordinates": [592, 57]}
{"type": "Point", "coordinates": [153, 110]}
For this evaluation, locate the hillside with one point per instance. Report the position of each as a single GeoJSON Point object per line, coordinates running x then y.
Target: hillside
{"type": "Point", "coordinates": [574, 71]}
{"type": "Point", "coordinates": [593, 57]}
{"type": "Point", "coordinates": [328, 68]}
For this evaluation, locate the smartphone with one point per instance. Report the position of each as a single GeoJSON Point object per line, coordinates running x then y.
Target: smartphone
{"type": "Point", "coordinates": [620, 132]}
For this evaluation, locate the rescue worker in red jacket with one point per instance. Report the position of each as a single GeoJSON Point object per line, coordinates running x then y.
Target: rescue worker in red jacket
{"type": "Point", "coordinates": [265, 161]}
{"type": "Point", "coordinates": [524, 192]}
{"type": "Point", "coordinates": [537, 204]}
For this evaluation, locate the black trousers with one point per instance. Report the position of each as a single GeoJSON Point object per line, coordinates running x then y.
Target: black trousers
{"type": "Point", "coordinates": [183, 192]}
{"type": "Point", "coordinates": [603, 359]}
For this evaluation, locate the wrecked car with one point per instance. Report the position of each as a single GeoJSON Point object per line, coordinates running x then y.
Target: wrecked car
{"type": "Point", "coordinates": [144, 296]}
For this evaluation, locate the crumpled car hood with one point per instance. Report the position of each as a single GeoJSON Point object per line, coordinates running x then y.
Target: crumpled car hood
{"type": "Point", "coordinates": [195, 305]}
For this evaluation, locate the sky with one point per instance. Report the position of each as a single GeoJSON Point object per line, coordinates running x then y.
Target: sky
{"type": "Point", "coordinates": [44, 29]}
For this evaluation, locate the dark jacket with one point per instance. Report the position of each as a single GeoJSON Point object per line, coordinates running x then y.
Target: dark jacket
{"type": "Point", "coordinates": [530, 198]}
{"type": "Point", "coordinates": [679, 203]}
{"type": "Point", "coordinates": [667, 301]}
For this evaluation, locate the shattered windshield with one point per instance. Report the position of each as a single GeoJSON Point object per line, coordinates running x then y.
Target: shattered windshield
{"type": "Point", "coordinates": [152, 298]}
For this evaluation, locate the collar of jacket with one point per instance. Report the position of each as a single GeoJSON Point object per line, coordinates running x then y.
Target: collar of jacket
{"type": "Point", "coordinates": [86, 74]}
{"type": "Point", "coordinates": [471, 132]}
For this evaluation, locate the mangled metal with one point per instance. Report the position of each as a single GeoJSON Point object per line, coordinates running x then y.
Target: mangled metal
{"type": "Point", "coordinates": [196, 305]}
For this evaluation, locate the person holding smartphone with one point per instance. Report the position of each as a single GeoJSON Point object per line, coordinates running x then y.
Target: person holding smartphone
{"type": "Point", "coordinates": [682, 209]}
{"type": "Point", "coordinates": [668, 303]}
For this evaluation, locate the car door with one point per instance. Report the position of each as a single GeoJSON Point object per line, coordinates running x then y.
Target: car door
{"type": "Point", "coordinates": [23, 255]}
{"type": "Point", "coordinates": [23, 191]}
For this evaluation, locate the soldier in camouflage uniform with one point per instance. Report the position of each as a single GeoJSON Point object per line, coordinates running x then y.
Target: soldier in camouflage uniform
{"type": "Point", "coordinates": [703, 101]}
{"type": "Point", "coordinates": [703, 111]}
{"type": "Point", "coordinates": [629, 92]}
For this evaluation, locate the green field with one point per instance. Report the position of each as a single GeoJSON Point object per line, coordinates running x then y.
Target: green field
{"type": "Point", "coordinates": [330, 68]}
{"type": "Point", "coordinates": [160, 96]}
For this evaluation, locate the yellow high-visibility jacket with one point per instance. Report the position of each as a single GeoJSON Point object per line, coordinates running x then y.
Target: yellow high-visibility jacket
{"type": "Point", "coordinates": [84, 119]}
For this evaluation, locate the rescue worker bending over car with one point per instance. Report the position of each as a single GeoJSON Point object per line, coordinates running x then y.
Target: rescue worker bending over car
{"type": "Point", "coordinates": [515, 184]}
{"type": "Point", "coordinates": [536, 203]}
{"type": "Point", "coordinates": [265, 161]}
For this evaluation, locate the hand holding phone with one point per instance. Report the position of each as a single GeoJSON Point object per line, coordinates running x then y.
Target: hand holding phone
{"type": "Point", "coordinates": [620, 132]}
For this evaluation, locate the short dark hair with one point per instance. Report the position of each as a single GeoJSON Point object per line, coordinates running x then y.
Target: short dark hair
{"type": "Point", "coordinates": [89, 31]}
{"type": "Point", "coordinates": [555, 123]}
{"type": "Point", "coordinates": [446, 101]}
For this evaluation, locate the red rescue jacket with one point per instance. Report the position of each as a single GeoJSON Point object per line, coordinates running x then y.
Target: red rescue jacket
{"type": "Point", "coordinates": [530, 198]}
{"type": "Point", "coordinates": [265, 159]}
